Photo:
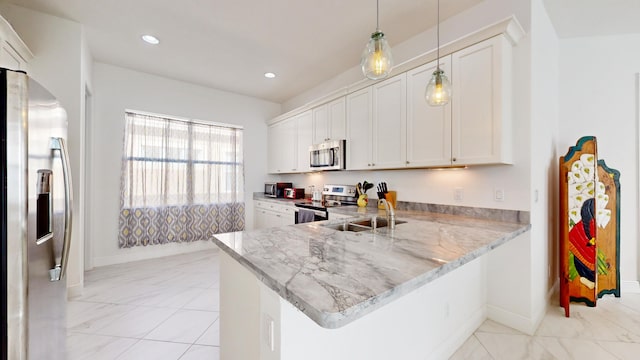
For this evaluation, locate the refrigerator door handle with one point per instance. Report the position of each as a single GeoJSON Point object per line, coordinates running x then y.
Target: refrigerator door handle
{"type": "Point", "coordinates": [60, 270]}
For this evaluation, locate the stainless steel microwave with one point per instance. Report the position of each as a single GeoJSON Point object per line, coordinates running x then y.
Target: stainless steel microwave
{"type": "Point", "coordinates": [329, 155]}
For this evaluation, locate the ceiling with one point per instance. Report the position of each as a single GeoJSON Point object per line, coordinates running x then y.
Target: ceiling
{"type": "Point", "coordinates": [230, 44]}
{"type": "Point", "coordinates": [577, 18]}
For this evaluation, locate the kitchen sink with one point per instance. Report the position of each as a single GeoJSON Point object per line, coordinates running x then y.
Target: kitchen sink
{"type": "Point", "coordinates": [362, 225]}
{"type": "Point", "coordinates": [349, 227]}
{"type": "Point", "coordinates": [380, 222]}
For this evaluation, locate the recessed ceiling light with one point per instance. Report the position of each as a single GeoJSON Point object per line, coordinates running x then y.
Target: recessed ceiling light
{"type": "Point", "coordinates": [269, 75]}
{"type": "Point", "coordinates": [150, 39]}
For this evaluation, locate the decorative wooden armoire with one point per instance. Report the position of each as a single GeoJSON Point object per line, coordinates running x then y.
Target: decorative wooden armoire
{"type": "Point", "coordinates": [589, 226]}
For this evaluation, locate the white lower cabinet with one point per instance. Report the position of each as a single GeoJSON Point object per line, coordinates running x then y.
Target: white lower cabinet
{"type": "Point", "coordinates": [268, 214]}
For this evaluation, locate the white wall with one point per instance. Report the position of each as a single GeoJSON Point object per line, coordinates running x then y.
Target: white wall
{"type": "Point", "coordinates": [598, 96]}
{"type": "Point", "coordinates": [116, 89]}
{"type": "Point", "coordinates": [544, 159]}
{"type": "Point", "coordinates": [58, 65]}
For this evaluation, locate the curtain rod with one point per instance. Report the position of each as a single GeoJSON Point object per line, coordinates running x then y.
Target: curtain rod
{"type": "Point", "coordinates": [178, 118]}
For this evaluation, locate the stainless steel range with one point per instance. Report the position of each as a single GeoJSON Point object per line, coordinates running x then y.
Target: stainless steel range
{"type": "Point", "coordinates": [332, 195]}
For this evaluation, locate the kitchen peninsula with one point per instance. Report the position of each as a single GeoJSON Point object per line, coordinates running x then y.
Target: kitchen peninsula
{"type": "Point", "coordinates": [310, 291]}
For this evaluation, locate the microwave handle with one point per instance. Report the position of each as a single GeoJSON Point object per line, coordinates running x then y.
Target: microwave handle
{"type": "Point", "coordinates": [333, 156]}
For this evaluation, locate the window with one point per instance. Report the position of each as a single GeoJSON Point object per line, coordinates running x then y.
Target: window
{"type": "Point", "coordinates": [181, 180]}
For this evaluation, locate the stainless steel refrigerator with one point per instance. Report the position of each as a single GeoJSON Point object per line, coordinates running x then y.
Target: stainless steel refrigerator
{"type": "Point", "coordinates": [35, 203]}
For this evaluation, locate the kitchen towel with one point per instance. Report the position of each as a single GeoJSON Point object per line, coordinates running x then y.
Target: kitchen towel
{"type": "Point", "coordinates": [305, 216]}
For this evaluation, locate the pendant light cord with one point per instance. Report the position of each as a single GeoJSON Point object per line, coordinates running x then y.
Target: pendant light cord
{"type": "Point", "coordinates": [378, 15]}
{"type": "Point", "coordinates": [438, 37]}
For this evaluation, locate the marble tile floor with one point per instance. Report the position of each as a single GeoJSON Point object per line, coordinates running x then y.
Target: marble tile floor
{"type": "Point", "coordinates": [157, 309]}
{"type": "Point", "coordinates": [168, 308]}
{"type": "Point", "coordinates": [611, 330]}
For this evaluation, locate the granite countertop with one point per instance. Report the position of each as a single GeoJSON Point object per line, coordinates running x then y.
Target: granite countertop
{"type": "Point", "coordinates": [335, 277]}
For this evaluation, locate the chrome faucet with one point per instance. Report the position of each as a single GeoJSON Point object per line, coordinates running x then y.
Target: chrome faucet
{"type": "Point", "coordinates": [391, 214]}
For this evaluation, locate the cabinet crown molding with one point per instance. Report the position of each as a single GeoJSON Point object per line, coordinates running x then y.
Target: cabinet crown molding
{"type": "Point", "coordinates": [10, 36]}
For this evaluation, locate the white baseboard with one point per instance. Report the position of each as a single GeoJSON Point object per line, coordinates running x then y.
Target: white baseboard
{"type": "Point", "coordinates": [458, 338]}
{"type": "Point", "coordinates": [512, 320]}
{"type": "Point", "coordinates": [151, 252]}
{"type": "Point", "coordinates": [630, 287]}
{"type": "Point", "coordinates": [74, 291]}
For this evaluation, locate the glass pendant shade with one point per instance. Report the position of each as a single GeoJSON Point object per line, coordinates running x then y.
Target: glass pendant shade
{"type": "Point", "coordinates": [439, 89]}
{"type": "Point", "coordinates": [376, 59]}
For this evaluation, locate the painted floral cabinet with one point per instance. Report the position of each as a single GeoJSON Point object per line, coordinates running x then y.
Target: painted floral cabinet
{"type": "Point", "coordinates": [589, 226]}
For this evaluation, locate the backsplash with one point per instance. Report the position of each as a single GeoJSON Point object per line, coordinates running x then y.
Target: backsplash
{"type": "Point", "coordinates": [512, 216]}
{"type": "Point", "coordinates": [515, 216]}
{"type": "Point", "coordinates": [475, 185]}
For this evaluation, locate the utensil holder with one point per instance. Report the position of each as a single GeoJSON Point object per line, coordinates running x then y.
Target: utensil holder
{"type": "Point", "coordinates": [363, 200]}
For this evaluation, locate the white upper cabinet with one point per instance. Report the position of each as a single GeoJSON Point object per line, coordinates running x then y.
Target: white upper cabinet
{"type": "Point", "coordinates": [428, 127]}
{"type": "Point", "coordinates": [389, 122]}
{"type": "Point", "coordinates": [304, 140]}
{"type": "Point", "coordinates": [481, 112]}
{"type": "Point", "coordinates": [289, 142]}
{"type": "Point", "coordinates": [337, 119]}
{"type": "Point", "coordinates": [277, 147]}
{"type": "Point", "coordinates": [272, 148]}
{"type": "Point", "coordinates": [14, 54]}
{"type": "Point", "coordinates": [359, 106]}
{"type": "Point", "coordinates": [320, 124]}
{"type": "Point", "coordinates": [329, 121]}
{"type": "Point", "coordinates": [376, 125]}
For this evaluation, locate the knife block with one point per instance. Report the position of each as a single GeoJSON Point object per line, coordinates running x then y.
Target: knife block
{"type": "Point", "coordinates": [391, 198]}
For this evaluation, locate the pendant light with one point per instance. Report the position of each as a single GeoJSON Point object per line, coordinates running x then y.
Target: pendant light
{"type": "Point", "coordinates": [439, 88]}
{"type": "Point", "coordinates": [376, 59]}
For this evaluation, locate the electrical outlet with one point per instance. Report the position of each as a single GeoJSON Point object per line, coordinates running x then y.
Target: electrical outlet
{"type": "Point", "coordinates": [498, 194]}
{"type": "Point", "coordinates": [458, 194]}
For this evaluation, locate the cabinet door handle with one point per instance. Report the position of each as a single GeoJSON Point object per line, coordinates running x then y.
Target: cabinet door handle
{"type": "Point", "coordinates": [454, 159]}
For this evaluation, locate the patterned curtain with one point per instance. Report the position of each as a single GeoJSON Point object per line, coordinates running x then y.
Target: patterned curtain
{"type": "Point", "coordinates": [181, 181]}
